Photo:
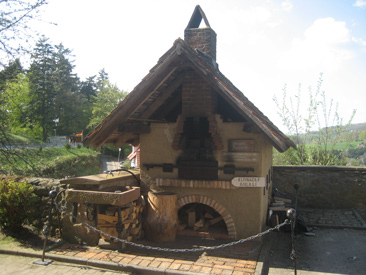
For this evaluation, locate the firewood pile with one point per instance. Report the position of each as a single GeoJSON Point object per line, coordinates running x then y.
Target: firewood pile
{"type": "Point", "coordinates": [131, 216]}
{"type": "Point", "coordinates": [201, 218]}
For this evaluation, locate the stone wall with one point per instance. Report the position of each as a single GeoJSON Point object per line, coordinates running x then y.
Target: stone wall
{"type": "Point", "coordinates": [327, 187]}
{"type": "Point", "coordinates": [42, 187]}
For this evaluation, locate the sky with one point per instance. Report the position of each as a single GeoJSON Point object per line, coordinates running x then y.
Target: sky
{"type": "Point", "coordinates": [262, 45]}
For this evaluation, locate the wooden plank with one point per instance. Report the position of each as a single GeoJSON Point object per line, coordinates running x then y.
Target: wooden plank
{"type": "Point", "coordinates": [102, 197]}
{"type": "Point", "coordinates": [240, 156]}
{"type": "Point", "coordinates": [96, 182]}
{"type": "Point", "coordinates": [241, 145]}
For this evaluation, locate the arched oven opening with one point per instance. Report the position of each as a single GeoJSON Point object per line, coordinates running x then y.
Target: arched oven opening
{"type": "Point", "coordinates": [200, 220]}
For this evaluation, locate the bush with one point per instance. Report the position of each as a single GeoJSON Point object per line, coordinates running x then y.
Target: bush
{"type": "Point", "coordinates": [17, 203]}
{"type": "Point", "coordinates": [127, 164]}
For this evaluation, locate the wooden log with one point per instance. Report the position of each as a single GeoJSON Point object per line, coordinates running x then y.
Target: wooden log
{"type": "Point", "coordinates": [161, 217]}
{"type": "Point", "coordinates": [191, 209]}
{"type": "Point", "coordinates": [111, 211]}
{"type": "Point", "coordinates": [208, 216]}
{"type": "Point", "coordinates": [181, 227]}
{"type": "Point", "coordinates": [200, 223]}
{"type": "Point", "coordinates": [191, 218]}
{"type": "Point", "coordinates": [205, 227]}
{"type": "Point", "coordinates": [106, 219]}
{"type": "Point", "coordinates": [136, 230]}
{"type": "Point", "coordinates": [215, 220]}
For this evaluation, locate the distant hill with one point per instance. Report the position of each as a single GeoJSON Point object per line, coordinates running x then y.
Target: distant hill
{"type": "Point", "coordinates": [357, 126]}
{"type": "Point", "coordinates": [351, 128]}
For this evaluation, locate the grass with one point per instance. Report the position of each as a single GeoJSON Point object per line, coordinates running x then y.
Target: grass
{"type": "Point", "coordinates": [347, 145]}
{"type": "Point", "coordinates": [341, 145]}
{"type": "Point", "coordinates": [21, 139]}
{"type": "Point", "coordinates": [50, 162]}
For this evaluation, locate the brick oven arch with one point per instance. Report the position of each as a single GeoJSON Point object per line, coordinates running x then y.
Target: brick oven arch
{"type": "Point", "coordinates": [187, 199]}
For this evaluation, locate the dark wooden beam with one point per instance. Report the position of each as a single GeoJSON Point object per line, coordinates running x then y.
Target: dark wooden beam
{"type": "Point", "coordinates": [164, 96]}
{"type": "Point", "coordinates": [166, 76]}
{"type": "Point", "coordinates": [173, 104]}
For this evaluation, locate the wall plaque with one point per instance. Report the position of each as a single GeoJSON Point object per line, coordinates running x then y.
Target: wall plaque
{"type": "Point", "coordinates": [249, 182]}
{"type": "Point", "coordinates": [240, 156]}
{"type": "Point", "coordinates": [241, 145]}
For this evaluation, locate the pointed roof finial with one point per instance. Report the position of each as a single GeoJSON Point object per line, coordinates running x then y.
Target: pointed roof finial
{"type": "Point", "coordinates": [197, 17]}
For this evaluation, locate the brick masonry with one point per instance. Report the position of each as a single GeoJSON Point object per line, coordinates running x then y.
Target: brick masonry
{"type": "Point", "coordinates": [203, 39]}
{"type": "Point", "coordinates": [198, 100]}
{"type": "Point", "coordinates": [187, 199]}
{"type": "Point", "coordinates": [215, 184]}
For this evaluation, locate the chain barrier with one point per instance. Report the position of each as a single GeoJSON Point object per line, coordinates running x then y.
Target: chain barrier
{"type": "Point", "coordinates": [201, 249]}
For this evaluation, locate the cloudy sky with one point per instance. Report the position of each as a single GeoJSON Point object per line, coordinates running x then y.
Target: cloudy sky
{"type": "Point", "coordinates": [261, 45]}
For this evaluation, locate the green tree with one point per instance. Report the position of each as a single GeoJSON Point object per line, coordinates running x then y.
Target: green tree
{"type": "Point", "coordinates": [17, 102]}
{"type": "Point", "coordinates": [316, 134]}
{"type": "Point", "coordinates": [9, 73]}
{"type": "Point", "coordinates": [42, 92]}
{"type": "Point", "coordinates": [362, 135]}
{"type": "Point", "coordinates": [56, 101]}
{"type": "Point", "coordinates": [108, 96]}
{"type": "Point", "coordinates": [69, 101]}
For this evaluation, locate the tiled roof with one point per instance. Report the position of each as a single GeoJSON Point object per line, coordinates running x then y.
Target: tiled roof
{"type": "Point", "coordinates": [153, 88]}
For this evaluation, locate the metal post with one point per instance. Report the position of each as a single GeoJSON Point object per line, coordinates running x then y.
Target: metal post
{"type": "Point", "coordinates": [291, 214]}
{"type": "Point", "coordinates": [119, 153]}
{"type": "Point", "coordinates": [46, 230]}
{"type": "Point", "coordinates": [296, 186]}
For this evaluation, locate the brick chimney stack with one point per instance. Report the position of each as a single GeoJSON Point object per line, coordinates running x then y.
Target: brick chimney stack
{"type": "Point", "coordinates": [203, 39]}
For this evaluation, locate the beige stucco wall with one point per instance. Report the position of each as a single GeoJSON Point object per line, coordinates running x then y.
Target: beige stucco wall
{"type": "Point", "coordinates": [247, 206]}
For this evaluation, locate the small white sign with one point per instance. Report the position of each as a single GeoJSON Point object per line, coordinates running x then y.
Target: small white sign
{"type": "Point", "coordinates": [249, 182]}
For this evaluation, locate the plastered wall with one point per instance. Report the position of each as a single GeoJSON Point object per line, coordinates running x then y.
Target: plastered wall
{"type": "Point", "coordinates": [247, 206]}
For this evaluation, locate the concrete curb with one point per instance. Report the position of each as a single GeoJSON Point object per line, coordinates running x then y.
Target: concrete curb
{"type": "Point", "coordinates": [97, 263]}
{"type": "Point", "coordinates": [333, 226]}
{"type": "Point", "coordinates": [262, 262]}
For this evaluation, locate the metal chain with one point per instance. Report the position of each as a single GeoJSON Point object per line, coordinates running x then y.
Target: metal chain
{"type": "Point", "coordinates": [201, 249]}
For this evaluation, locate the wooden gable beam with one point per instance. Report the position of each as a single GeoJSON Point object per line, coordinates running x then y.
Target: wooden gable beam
{"type": "Point", "coordinates": [171, 106]}
{"type": "Point", "coordinates": [168, 92]}
{"type": "Point", "coordinates": [153, 90]}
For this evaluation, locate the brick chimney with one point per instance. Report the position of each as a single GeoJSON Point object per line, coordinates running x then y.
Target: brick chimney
{"type": "Point", "coordinates": [197, 134]}
{"type": "Point", "coordinates": [203, 39]}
